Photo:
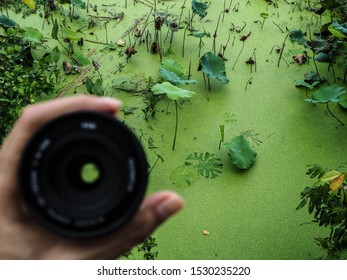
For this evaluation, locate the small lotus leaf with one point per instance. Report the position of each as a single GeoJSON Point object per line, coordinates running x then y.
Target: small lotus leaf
{"type": "Point", "coordinates": [213, 66]}
{"type": "Point", "coordinates": [171, 77]}
{"type": "Point", "coordinates": [297, 36]}
{"type": "Point", "coordinates": [33, 35]}
{"type": "Point", "coordinates": [6, 22]}
{"type": "Point", "coordinates": [301, 83]}
{"type": "Point", "coordinates": [338, 30]}
{"type": "Point", "coordinates": [81, 59]}
{"type": "Point", "coordinates": [241, 153]}
{"type": "Point", "coordinates": [208, 165]}
{"type": "Point", "coordinates": [172, 92]}
{"type": "Point", "coordinates": [78, 3]}
{"type": "Point", "coordinates": [172, 66]}
{"type": "Point", "coordinates": [69, 34]}
{"type": "Point", "coordinates": [184, 176]}
{"type": "Point", "coordinates": [200, 34]}
{"type": "Point", "coordinates": [199, 8]}
{"type": "Point", "coordinates": [327, 94]}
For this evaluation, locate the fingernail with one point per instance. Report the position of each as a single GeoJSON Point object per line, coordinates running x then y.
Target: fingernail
{"type": "Point", "coordinates": [169, 206]}
{"type": "Point", "coordinates": [110, 101]}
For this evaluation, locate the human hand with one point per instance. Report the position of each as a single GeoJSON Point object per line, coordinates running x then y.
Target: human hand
{"type": "Point", "coordinates": [22, 238]}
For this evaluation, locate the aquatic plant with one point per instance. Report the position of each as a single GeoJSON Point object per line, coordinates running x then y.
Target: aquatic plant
{"type": "Point", "coordinates": [326, 95]}
{"type": "Point", "coordinates": [173, 93]}
{"type": "Point", "coordinates": [241, 153]}
{"type": "Point", "coordinates": [213, 67]}
{"type": "Point", "coordinates": [327, 202]}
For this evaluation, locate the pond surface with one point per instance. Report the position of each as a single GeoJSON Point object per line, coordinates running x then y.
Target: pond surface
{"type": "Point", "coordinates": [249, 214]}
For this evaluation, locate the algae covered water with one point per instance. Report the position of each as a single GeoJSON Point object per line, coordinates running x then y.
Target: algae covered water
{"type": "Point", "coordinates": [229, 93]}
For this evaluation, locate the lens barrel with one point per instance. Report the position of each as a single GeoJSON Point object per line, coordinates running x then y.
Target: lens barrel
{"type": "Point", "coordinates": [83, 174]}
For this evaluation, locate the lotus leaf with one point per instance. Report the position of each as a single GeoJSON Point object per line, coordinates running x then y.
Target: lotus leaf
{"type": "Point", "coordinates": [6, 22]}
{"type": "Point", "coordinates": [338, 30]}
{"type": "Point", "coordinates": [172, 92]}
{"type": "Point", "coordinates": [297, 36]}
{"type": "Point", "coordinates": [213, 66]}
{"type": "Point", "coordinates": [81, 59]}
{"type": "Point", "coordinates": [33, 35]}
{"type": "Point", "coordinates": [208, 165]}
{"type": "Point", "coordinates": [327, 94]}
{"type": "Point", "coordinates": [199, 8]}
{"type": "Point", "coordinates": [241, 153]}
{"type": "Point", "coordinates": [69, 34]}
{"type": "Point", "coordinates": [184, 176]}
{"type": "Point", "coordinates": [173, 78]}
{"type": "Point", "coordinates": [78, 3]}
{"type": "Point", "coordinates": [301, 83]}
{"type": "Point", "coordinates": [172, 66]}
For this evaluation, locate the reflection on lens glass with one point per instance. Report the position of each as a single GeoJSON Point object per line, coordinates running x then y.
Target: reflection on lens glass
{"type": "Point", "coordinates": [90, 173]}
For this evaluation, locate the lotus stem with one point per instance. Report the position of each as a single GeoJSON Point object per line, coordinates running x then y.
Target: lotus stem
{"type": "Point", "coordinates": [237, 58]}
{"type": "Point", "coordinates": [331, 113]}
{"type": "Point", "coordinates": [174, 141]}
{"type": "Point", "coordinates": [206, 88]}
{"type": "Point", "coordinates": [282, 49]}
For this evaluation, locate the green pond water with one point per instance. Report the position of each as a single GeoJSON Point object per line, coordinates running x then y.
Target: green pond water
{"type": "Point", "coordinates": [250, 214]}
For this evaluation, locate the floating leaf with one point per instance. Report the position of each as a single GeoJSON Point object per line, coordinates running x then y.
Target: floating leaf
{"type": "Point", "coordinates": [81, 59]}
{"type": "Point", "coordinates": [6, 22]}
{"type": "Point", "coordinates": [338, 181]}
{"type": "Point", "coordinates": [208, 165]}
{"type": "Point", "coordinates": [338, 30]}
{"type": "Point", "coordinates": [213, 66]}
{"type": "Point", "coordinates": [301, 83]}
{"type": "Point", "coordinates": [69, 34]}
{"type": "Point", "coordinates": [297, 36]}
{"type": "Point", "coordinates": [30, 3]}
{"type": "Point", "coordinates": [173, 78]}
{"type": "Point", "coordinates": [33, 35]}
{"type": "Point", "coordinates": [327, 94]}
{"type": "Point", "coordinates": [200, 34]}
{"type": "Point", "coordinates": [172, 92]}
{"type": "Point", "coordinates": [199, 8]}
{"type": "Point", "coordinates": [172, 66]}
{"type": "Point", "coordinates": [240, 152]}
{"type": "Point", "coordinates": [78, 3]}
{"type": "Point", "coordinates": [184, 176]}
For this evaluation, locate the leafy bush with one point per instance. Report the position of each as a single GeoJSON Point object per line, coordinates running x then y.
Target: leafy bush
{"type": "Point", "coordinates": [327, 202]}
{"type": "Point", "coordinates": [23, 79]}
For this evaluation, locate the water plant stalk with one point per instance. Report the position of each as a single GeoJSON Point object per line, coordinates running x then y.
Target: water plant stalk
{"type": "Point", "coordinates": [175, 135]}
{"type": "Point", "coordinates": [331, 113]}
{"type": "Point", "coordinates": [185, 32]}
{"type": "Point", "coordinates": [282, 49]}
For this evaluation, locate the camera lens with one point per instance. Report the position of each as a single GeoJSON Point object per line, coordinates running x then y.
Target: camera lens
{"type": "Point", "coordinates": [83, 174]}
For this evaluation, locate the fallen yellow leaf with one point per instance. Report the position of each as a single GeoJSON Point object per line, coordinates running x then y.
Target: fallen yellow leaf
{"type": "Point", "coordinates": [337, 182]}
{"type": "Point", "coordinates": [30, 3]}
{"type": "Point", "coordinates": [205, 232]}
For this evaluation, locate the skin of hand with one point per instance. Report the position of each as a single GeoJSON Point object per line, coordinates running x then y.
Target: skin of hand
{"type": "Point", "coordinates": [22, 238]}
